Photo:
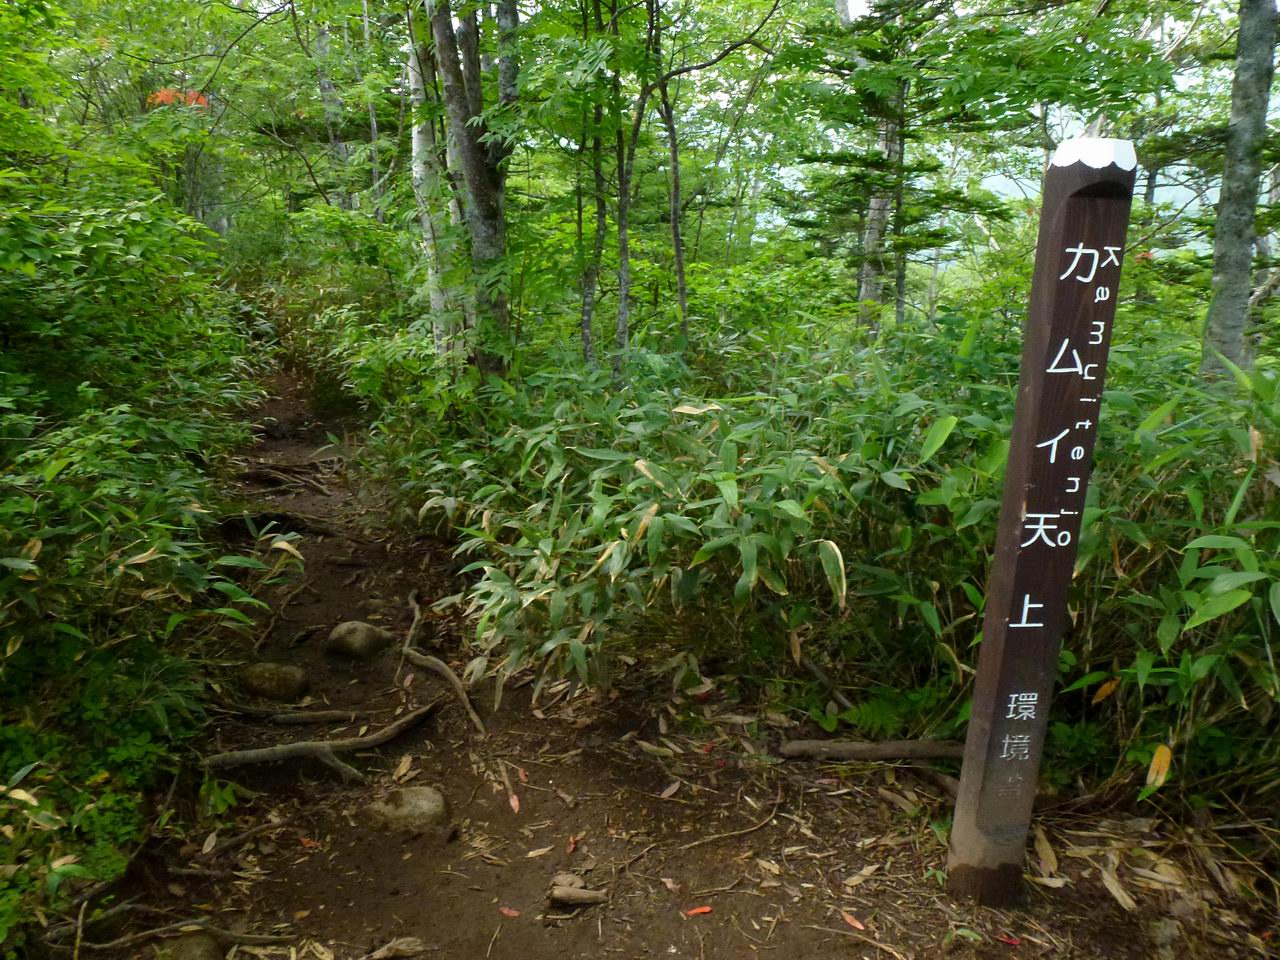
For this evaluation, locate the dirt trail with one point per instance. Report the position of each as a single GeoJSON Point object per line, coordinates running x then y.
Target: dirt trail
{"type": "Point", "coordinates": [705, 846]}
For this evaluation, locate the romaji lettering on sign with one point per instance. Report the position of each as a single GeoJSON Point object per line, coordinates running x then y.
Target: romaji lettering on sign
{"type": "Point", "coordinates": [1075, 283]}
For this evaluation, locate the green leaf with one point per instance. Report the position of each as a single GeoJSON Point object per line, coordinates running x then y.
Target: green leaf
{"type": "Point", "coordinates": [833, 567]}
{"type": "Point", "coordinates": [937, 436]}
{"type": "Point", "coordinates": [792, 508]}
{"type": "Point", "coordinates": [597, 453]}
{"type": "Point", "coordinates": [1274, 596]}
{"type": "Point", "coordinates": [930, 614]}
{"type": "Point", "coordinates": [729, 490]}
{"type": "Point", "coordinates": [711, 548]}
{"type": "Point", "coordinates": [1087, 679]}
{"type": "Point", "coordinates": [894, 480]}
{"type": "Point", "coordinates": [1218, 543]}
{"type": "Point", "coordinates": [1216, 607]}
{"type": "Point", "coordinates": [1157, 416]}
{"type": "Point", "coordinates": [1229, 581]}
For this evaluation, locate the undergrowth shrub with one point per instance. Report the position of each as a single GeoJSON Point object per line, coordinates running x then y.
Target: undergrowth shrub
{"type": "Point", "coordinates": [121, 363]}
{"type": "Point", "coordinates": [837, 496]}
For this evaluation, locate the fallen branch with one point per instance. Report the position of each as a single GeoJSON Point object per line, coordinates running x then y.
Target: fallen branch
{"type": "Point", "coordinates": [576, 896]}
{"type": "Point", "coordinates": [180, 926]}
{"type": "Point", "coordinates": [323, 750]}
{"type": "Point", "coordinates": [736, 833]}
{"type": "Point", "coordinates": [872, 750]}
{"type": "Point", "coordinates": [420, 659]}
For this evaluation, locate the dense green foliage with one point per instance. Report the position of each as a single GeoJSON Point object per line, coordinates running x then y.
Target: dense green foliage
{"type": "Point", "coordinates": [121, 360]}
{"type": "Point", "coordinates": [695, 327]}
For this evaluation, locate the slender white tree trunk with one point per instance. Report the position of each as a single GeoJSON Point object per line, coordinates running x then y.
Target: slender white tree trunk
{"type": "Point", "coordinates": [427, 178]}
{"type": "Point", "coordinates": [1227, 319]}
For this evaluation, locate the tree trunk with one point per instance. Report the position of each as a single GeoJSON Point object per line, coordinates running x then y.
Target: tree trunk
{"type": "Point", "coordinates": [427, 178]}
{"type": "Point", "coordinates": [484, 182]}
{"type": "Point", "coordinates": [333, 111]}
{"type": "Point", "coordinates": [677, 210]}
{"type": "Point", "coordinates": [375, 168]}
{"type": "Point", "coordinates": [1227, 318]}
{"type": "Point", "coordinates": [879, 210]}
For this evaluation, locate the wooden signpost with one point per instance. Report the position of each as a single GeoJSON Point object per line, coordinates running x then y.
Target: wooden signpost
{"type": "Point", "coordinates": [1088, 189]}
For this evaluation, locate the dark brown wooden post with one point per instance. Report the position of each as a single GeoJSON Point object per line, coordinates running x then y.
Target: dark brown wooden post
{"type": "Point", "coordinates": [1087, 193]}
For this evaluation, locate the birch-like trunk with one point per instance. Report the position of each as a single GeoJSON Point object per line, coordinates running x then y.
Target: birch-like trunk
{"type": "Point", "coordinates": [427, 176]}
{"type": "Point", "coordinates": [333, 112]}
{"type": "Point", "coordinates": [481, 173]}
{"type": "Point", "coordinates": [876, 225]}
{"type": "Point", "coordinates": [1225, 325]}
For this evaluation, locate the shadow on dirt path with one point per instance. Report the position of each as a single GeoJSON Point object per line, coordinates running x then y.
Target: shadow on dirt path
{"type": "Point", "coordinates": [669, 806]}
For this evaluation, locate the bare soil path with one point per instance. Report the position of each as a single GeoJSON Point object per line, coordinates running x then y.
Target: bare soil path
{"type": "Point", "coordinates": [704, 845]}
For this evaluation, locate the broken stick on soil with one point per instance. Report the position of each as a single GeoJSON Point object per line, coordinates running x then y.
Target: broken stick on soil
{"type": "Point", "coordinates": [872, 750]}
{"type": "Point", "coordinates": [324, 750]}
{"type": "Point", "coordinates": [576, 896]}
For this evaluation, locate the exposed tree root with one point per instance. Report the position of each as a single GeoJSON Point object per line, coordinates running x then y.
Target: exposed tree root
{"type": "Point", "coordinates": [325, 751]}
{"type": "Point", "coordinates": [439, 666]}
{"type": "Point", "coordinates": [426, 660]}
{"type": "Point", "coordinates": [872, 750]}
{"type": "Point", "coordinates": [291, 718]}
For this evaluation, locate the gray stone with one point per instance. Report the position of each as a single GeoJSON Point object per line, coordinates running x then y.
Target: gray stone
{"type": "Point", "coordinates": [191, 946]}
{"type": "Point", "coordinates": [1166, 938]}
{"type": "Point", "coordinates": [410, 810]}
{"type": "Point", "coordinates": [358, 640]}
{"type": "Point", "coordinates": [275, 681]}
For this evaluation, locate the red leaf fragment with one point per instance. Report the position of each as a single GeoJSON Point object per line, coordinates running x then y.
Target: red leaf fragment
{"type": "Point", "coordinates": [1009, 938]}
{"type": "Point", "coordinates": [697, 911]}
{"type": "Point", "coordinates": [523, 774]}
{"type": "Point", "coordinates": [851, 920]}
{"type": "Point", "coordinates": [509, 912]}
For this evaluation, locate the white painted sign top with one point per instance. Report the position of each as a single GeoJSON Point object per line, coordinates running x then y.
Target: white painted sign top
{"type": "Point", "coordinates": [1096, 152]}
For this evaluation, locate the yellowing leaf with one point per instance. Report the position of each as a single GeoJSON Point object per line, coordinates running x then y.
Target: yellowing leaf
{"type": "Point", "coordinates": [1158, 772]}
{"type": "Point", "coordinates": [286, 546]}
{"type": "Point", "coordinates": [1048, 864]}
{"type": "Point", "coordinates": [143, 557]}
{"type": "Point", "coordinates": [643, 467]}
{"type": "Point", "coordinates": [694, 409]}
{"type": "Point", "coordinates": [1106, 690]}
{"type": "Point", "coordinates": [210, 842]}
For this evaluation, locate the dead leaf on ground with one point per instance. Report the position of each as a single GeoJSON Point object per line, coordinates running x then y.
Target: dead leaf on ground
{"type": "Point", "coordinates": [670, 884]}
{"type": "Point", "coordinates": [851, 920]}
{"type": "Point", "coordinates": [697, 911]}
{"type": "Point", "coordinates": [1048, 860]}
{"type": "Point", "coordinates": [399, 947]}
{"type": "Point", "coordinates": [515, 803]}
{"type": "Point", "coordinates": [540, 852]}
{"type": "Point", "coordinates": [670, 792]}
{"type": "Point", "coordinates": [402, 767]}
{"type": "Point", "coordinates": [1111, 880]}
{"type": "Point", "coordinates": [861, 875]}
{"type": "Point", "coordinates": [509, 912]}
